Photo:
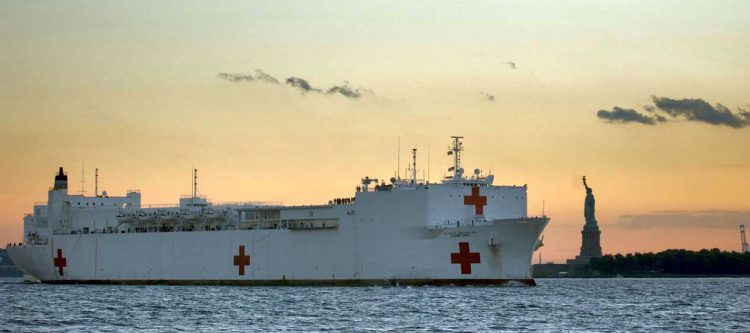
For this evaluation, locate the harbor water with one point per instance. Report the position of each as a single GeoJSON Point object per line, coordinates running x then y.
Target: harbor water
{"type": "Point", "coordinates": [606, 305]}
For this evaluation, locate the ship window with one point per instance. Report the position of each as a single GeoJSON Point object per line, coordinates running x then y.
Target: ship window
{"type": "Point", "coordinates": [311, 213]}
{"type": "Point", "coordinates": [79, 203]}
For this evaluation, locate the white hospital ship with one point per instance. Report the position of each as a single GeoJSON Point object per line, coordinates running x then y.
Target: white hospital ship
{"type": "Point", "coordinates": [461, 231]}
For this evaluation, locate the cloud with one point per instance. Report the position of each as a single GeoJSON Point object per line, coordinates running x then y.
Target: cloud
{"type": "Point", "coordinates": [511, 64]}
{"type": "Point", "coordinates": [487, 96]}
{"type": "Point", "coordinates": [301, 84]}
{"type": "Point", "coordinates": [346, 90]}
{"type": "Point", "coordinates": [669, 110]}
{"type": "Point", "coordinates": [701, 111]}
{"type": "Point", "coordinates": [259, 76]}
{"type": "Point", "coordinates": [620, 115]}
{"type": "Point", "coordinates": [701, 219]}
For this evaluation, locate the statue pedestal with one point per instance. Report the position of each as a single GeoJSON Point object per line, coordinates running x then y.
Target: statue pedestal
{"type": "Point", "coordinates": [590, 246]}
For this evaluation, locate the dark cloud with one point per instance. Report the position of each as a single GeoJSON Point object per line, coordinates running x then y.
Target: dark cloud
{"type": "Point", "coordinates": [346, 90]}
{"type": "Point", "coordinates": [259, 76]}
{"type": "Point", "coordinates": [511, 64]}
{"type": "Point", "coordinates": [620, 115]}
{"type": "Point", "coordinates": [301, 84]}
{"type": "Point", "coordinates": [487, 96]}
{"type": "Point", "coordinates": [701, 111]}
{"type": "Point", "coordinates": [681, 219]}
{"type": "Point", "coordinates": [668, 110]}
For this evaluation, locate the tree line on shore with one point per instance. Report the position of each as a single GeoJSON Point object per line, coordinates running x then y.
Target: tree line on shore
{"type": "Point", "coordinates": [677, 262]}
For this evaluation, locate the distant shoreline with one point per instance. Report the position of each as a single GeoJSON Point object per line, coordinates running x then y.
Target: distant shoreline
{"type": "Point", "coordinates": [641, 276]}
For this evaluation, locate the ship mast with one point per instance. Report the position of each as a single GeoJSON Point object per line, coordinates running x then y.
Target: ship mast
{"type": "Point", "coordinates": [414, 165]}
{"type": "Point", "coordinates": [456, 152]}
{"type": "Point", "coordinates": [195, 184]}
{"type": "Point", "coordinates": [96, 182]}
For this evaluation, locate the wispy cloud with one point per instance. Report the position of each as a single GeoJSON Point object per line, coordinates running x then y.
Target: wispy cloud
{"type": "Point", "coordinates": [348, 91]}
{"type": "Point", "coordinates": [620, 115]}
{"type": "Point", "coordinates": [303, 85]}
{"type": "Point", "coordinates": [258, 76]}
{"type": "Point", "coordinates": [669, 110]}
{"type": "Point", "coordinates": [682, 219]}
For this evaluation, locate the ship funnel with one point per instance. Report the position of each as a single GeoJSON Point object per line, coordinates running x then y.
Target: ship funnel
{"type": "Point", "coordinates": [61, 180]}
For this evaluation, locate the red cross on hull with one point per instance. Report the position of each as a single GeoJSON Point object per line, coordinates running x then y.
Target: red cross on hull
{"type": "Point", "coordinates": [478, 201]}
{"type": "Point", "coordinates": [241, 260]}
{"type": "Point", "coordinates": [465, 257]}
{"type": "Point", "coordinates": [60, 262]}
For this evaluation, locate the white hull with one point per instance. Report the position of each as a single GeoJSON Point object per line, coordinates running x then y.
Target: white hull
{"type": "Point", "coordinates": [342, 256]}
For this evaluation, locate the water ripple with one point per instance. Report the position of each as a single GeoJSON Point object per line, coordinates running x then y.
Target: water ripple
{"type": "Point", "coordinates": [596, 305]}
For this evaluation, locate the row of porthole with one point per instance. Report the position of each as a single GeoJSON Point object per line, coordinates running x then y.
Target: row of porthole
{"type": "Point", "coordinates": [94, 204]}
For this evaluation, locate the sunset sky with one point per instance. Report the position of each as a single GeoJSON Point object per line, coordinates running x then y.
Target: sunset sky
{"type": "Point", "coordinates": [648, 99]}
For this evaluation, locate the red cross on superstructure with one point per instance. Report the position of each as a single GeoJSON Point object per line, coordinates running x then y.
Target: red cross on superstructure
{"type": "Point", "coordinates": [479, 201]}
{"type": "Point", "coordinates": [465, 257]}
{"type": "Point", "coordinates": [60, 262]}
{"type": "Point", "coordinates": [241, 260]}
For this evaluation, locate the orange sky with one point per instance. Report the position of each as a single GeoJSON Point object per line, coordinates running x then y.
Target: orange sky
{"type": "Point", "coordinates": [132, 88]}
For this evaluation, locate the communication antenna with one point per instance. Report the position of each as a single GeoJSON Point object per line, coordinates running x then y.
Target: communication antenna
{"type": "Point", "coordinates": [96, 182]}
{"type": "Point", "coordinates": [414, 165]}
{"type": "Point", "coordinates": [428, 163]}
{"type": "Point", "coordinates": [83, 178]}
{"type": "Point", "coordinates": [745, 246]}
{"type": "Point", "coordinates": [195, 182]}
{"type": "Point", "coordinates": [543, 209]}
{"type": "Point", "coordinates": [398, 159]}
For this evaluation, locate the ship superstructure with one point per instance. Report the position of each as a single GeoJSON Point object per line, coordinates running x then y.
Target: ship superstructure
{"type": "Point", "coordinates": [463, 230]}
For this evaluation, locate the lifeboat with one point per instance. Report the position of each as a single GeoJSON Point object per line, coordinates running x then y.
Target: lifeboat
{"type": "Point", "coordinates": [126, 218]}
{"type": "Point", "coordinates": [169, 218]}
{"type": "Point", "coordinates": [146, 219]}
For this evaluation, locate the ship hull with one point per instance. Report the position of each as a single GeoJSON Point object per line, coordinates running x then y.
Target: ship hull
{"type": "Point", "coordinates": [490, 253]}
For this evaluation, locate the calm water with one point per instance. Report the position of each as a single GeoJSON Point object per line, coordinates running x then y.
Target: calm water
{"type": "Point", "coordinates": [555, 305]}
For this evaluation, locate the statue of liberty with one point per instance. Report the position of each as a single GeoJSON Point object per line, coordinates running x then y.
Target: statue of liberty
{"type": "Point", "coordinates": [590, 235]}
{"type": "Point", "coordinates": [588, 208]}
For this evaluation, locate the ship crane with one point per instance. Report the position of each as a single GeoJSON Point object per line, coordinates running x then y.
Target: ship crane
{"type": "Point", "coordinates": [743, 239]}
